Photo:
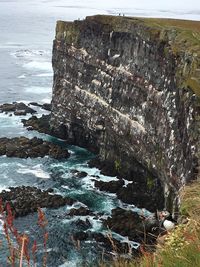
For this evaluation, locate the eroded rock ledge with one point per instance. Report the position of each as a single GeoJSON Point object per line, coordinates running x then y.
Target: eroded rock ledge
{"type": "Point", "coordinates": [23, 147]}
{"type": "Point", "coordinates": [129, 90]}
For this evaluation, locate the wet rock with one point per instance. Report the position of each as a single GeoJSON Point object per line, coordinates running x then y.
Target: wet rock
{"type": "Point", "coordinates": [128, 223]}
{"type": "Point", "coordinates": [106, 167]}
{"type": "Point", "coordinates": [19, 109]}
{"type": "Point", "coordinates": [23, 147]}
{"type": "Point", "coordinates": [20, 113]}
{"type": "Point", "coordinates": [38, 124]}
{"type": "Point", "coordinates": [80, 236]}
{"type": "Point", "coordinates": [79, 174]}
{"type": "Point", "coordinates": [141, 196]}
{"type": "Point", "coordinates": [112, 245]}
{"type": "Point", "coordinates": [26, 199]}
{"type": "Point", "coordinates": [112, 186]}
{"type": "Point", "coordinates": [45, 106]}
{"type": "Point", "coordinates": [83, 224]}
{"type": "Point", "coordinates": [80, 212]}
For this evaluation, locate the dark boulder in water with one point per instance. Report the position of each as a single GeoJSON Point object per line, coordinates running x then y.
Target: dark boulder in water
{"type": "Point", "coordinates": [45, 106]}
{"type": "Point", "coordinates": [27, 199]}
{"type": "Point", "coordinates": [78, 174]}
{"type": "Point", "coordinates": [112, 186]}
{"type": "Point", "coordinates": [19, 109]}
{"type": "Point", "coordinates": [22, 147]}
{"type": "Point", "coordinates": [80, 212]}
{"type": "Point", "coordinates": [130, 224]}
{"type": "Point", "coordinates": [38, 124]}
{"type": "Point", "coordinates": [80, 236]}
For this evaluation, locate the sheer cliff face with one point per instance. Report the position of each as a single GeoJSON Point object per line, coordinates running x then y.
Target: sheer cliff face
{"type": "Point", "coordinates": [128, 89]}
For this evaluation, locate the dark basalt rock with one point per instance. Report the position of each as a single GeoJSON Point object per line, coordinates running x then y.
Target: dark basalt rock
{"type": "Point", "coordinates": [142, 196]}
{"type": "Point", "coordinates": [128, 223]}
{"type": "Point", "coordinates": [112, 186]}
{"type": "Point", "coordinates": [112, 245]}
{"type": "Point", "coordinates": [23, 147]}
{"type": "Point", "coordinates": [80, 236]}
{"type": "Point", "coordinates": [39, 124]}
{"type": "Point", "coordinates": [83, 224]}
{"type": "Point", "coordinates": [78, 174]}
{"type": "Point", "coordinates": [19, 109]}
{"type": "Point", "coordinates": [45, 106]}
{"type": "Point", "coordinates": [106, 167]}
{"type": "Point", "coordinates": [26, 199]}
{"type": "Point", "coordinates": [80, 212]}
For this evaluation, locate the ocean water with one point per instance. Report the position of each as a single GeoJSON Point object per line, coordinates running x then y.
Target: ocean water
{"type": "Point", "coordinates": [26, 34]}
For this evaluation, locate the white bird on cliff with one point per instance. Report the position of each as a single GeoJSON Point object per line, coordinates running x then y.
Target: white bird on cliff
{"type": "Point", "coordinates": [164, 217]}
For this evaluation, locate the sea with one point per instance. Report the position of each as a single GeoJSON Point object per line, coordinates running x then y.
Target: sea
{"type": "Point", "coordinates": [27, 30]}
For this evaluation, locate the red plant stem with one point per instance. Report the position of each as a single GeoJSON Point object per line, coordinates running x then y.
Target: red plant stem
{"type": "Point", "coordinates": [22, 251]}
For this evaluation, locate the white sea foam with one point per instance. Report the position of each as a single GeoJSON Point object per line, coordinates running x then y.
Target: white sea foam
{"type": "Point", "coordinates": [124, 239]}
{"type": "Point", "coordinates": [73, 263]}
{"type": "Point", "coordinates": [49, 74]}
{"type": "Point", "coordinates": [3, 187]}
{"type": "Point", "coordinates": [46, 100]}
{"type": "Point", "coordinates": [23, 76]}
{"type": "Point", "coordinates": [96, 224]}
{"type": "Point", "coordinates": [36, 171]}
{"type": "Point", "coordinates": [38, 90]}
{"type": "Point", "coordinates": [38, 65]}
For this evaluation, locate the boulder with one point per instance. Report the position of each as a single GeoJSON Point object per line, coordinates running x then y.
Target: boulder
{"type": "Point", "coordinates": [38, 124]}
{"type": "Point", "coordinates": [19, 109]}
{"type": "Point", "coordinates": [27, 199]}
{"type": "Point", "coordinates": [23, 147]}
{"type": "Point", "coordinates": [112, 186]}
{"type": "Point", "coordinates": [80, 212]}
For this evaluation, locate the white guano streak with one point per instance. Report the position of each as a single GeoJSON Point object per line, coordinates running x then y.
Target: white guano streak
{"type": "Point", "coordinates": [133, 123]}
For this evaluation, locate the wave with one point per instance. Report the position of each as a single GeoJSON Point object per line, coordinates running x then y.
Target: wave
{"type": "Point", "coordinates": [36, 171]}
{"type": "Point", "coordinates": [38, 90]}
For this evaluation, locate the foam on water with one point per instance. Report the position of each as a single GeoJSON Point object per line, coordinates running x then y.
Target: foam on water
{"type": "Point", "coordinates": [36, 171]}
{"type": "Point", "coordinates": [50, 74]}
{"type": "Point", "coordinates": [38, 65]}
{"type": "Point", "coordinates": [38, 90]}
{"type": "Point", "coordinates": [23, 76]}
{"type": "Point", "coordinates": [3, 187]}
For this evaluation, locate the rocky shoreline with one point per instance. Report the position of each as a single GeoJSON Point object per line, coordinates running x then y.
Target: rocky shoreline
{"type": "Point", "coordinates": [27, 199]}
{"type": "Point", "coordinates": [138, 189]}
{"type": "Point", "coordinates": [23, 147]}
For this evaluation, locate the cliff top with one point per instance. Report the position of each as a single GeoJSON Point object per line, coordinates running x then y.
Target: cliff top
{"type": "Point", "coordinates": [182, 38]}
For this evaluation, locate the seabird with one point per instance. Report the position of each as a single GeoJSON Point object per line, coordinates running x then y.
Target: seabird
{"type": "Point", "coordinates": [167, 221]}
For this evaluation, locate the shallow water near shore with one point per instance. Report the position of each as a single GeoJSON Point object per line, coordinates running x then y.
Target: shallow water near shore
{"type": "Point", "coordinates": [27, 31]}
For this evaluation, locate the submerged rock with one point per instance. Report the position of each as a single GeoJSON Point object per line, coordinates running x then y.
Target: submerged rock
{"type": "Point", "coordinates": [27, 199]}
{"type": "Point", "coordinates": [23, 147]}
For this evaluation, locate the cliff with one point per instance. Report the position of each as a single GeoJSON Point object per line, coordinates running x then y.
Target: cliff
{"type": "Point", "coordinates": [128, 89]}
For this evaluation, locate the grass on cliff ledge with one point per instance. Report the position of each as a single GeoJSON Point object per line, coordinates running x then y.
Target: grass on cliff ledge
{"type": "Point", "coordinates": [181, 247]}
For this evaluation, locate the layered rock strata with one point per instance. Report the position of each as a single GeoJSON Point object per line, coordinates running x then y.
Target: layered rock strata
{"type": "Point", "coordinates": [128, 89]}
